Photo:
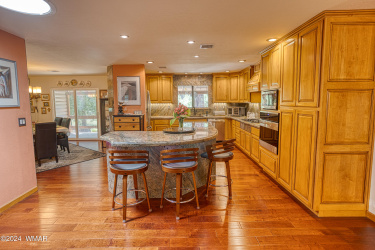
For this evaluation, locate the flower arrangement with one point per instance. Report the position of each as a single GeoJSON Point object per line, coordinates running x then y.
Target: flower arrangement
{"type": "Point", "coordinates": [180, 113]}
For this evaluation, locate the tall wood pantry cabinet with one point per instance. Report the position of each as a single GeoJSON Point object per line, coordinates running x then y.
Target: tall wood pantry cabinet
{"type": "Point", "coordinates": [327, 84]}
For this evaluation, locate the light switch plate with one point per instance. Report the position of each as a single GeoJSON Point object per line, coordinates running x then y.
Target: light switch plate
{"type": "Point", "coordinates": [21, 122]}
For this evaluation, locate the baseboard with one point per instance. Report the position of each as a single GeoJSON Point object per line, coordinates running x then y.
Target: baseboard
{"type": "Point", "coordinates": [371, 216]}
{"type": "Point", "coordinates": [18, 199]}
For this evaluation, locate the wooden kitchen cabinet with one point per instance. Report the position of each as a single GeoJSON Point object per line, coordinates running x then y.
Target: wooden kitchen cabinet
{"type": "Point", "coordinates": [289, 71]}
{"type": "Point", "coordinates": [220, 87]}
{"type": "Point", "coordinates": [304, 155]}
{"type": "Point", "coordinates": [160, 125]}
{"type": "Point", "coordinates": [254, 147]}
{"type": "Point", "coordinates": [265, 67]}
{"type": "Point", "coordinates": [247, 143]}
{"type": "Point", "coordinates": [268, 161]}
{"type": "Point", "coordinates": [309, 54]}
{"type": "Point", "coordinates": [243, 138]}
{"type": "Point", "coordinates": [128, 122]}
{"type": "Point", "coordinates": [286, 147]}
{"type": "Point", "coordinates": [233, 129]}
{"type": "Point", "coordinates": [234, 91]}
{"type": "Point", "coordinates": [275, 68]}
{"type": "Point", "coordinates": [160, 88]}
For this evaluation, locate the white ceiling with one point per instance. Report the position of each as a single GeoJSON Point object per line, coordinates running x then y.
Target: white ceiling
{"type": "Point", "coordinates": [83, 36]}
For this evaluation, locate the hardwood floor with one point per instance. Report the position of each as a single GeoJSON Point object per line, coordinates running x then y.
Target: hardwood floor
{"type": "Point", "coordinates": [73, 209]}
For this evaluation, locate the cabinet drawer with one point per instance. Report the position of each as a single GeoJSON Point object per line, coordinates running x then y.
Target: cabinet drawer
{"type": "Point", "coordinates": [255, 131]}
{"type": "Point", "coordinates": [238, 124]}
{"type": "Point", "coordinates": [268, 162]}
{"type": "Point", "coordinates": [126, 119]}
{"type": "Point", "coordinates": [119, 126]}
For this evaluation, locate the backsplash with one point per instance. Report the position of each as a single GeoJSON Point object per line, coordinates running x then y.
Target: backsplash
{"type": "Point", "coordinates": [166, 109]}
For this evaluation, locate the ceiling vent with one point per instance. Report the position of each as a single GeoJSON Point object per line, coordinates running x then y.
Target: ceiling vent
{"type": "Point", "coordinates": [162, 67]}
{"type": "Point", "coordinates": [207, 46]}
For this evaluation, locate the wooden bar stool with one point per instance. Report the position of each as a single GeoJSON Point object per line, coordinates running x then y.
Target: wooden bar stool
{"type": "Point", "coordinates": [129, 162]}
{"type": "Point", "coordinates": [220, 152]}
{"type": "Point", "coordinates": [178, 161]}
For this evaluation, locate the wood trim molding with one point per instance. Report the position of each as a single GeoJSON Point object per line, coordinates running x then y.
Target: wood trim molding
{"type": "Point", "coordinates": [320, 16]}
{"type": "Point", "coordinates": [18, 199]}
{"type": "Point", "coordinates": [371, 216]}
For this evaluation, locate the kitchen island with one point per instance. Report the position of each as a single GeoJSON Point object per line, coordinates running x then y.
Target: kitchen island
{"type": "Point", "coordinates": [154, 142]}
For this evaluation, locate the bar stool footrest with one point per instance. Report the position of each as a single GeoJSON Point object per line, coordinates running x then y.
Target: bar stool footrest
{"type": "Point", "coordinates": [218, 175]}
{"type": "Point", "coordinates": [181, 202]}
{"type": "Point", "coordinates": [130, 204]}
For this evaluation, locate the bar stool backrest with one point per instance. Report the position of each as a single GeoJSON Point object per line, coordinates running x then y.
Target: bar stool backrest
{"type": "Point", "coordinates": [220, 148]}
{"type": "Point", "coordinates": [128, 156]}
{"type": "Point", "coordinates": [182, 155]}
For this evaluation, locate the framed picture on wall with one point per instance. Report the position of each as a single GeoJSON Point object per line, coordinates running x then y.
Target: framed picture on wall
{"type": "Point", "coordinates": [45, 97]}
{"type": "Point", "coordinates": [129, 90]}
{"type": "Point", "coordinates": [9, 96]}
{"type": "Point", "coordinates": [45, 104]}
{"type": "Point", "coordinates": [44, 111]}
{"type": "Point", "coordinates": [103, 93]}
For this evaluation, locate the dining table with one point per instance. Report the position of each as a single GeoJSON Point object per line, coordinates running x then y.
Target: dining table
{"type": "Point", "coordinates": [59, 129]}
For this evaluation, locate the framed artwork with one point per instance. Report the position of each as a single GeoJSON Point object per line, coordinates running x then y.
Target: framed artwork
{"type": "Point", "coordinates": [129, 90]}
{"type": "Point", "coordinates": [44, 111]}
{"type": "Point", "coordinates": [45, 104]}
{"type": "Point", "coordinates": [103, 93]}
{"type": "Point", "coordinates": [60, 84]}
{"type": "Point", "coordinates": [45, 97]}
{"type": "Point", "coordinates": [9, 95]}
{"type": "Point", "coordinates": [32, 109]}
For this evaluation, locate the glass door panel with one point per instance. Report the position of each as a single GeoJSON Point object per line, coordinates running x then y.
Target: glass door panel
{"type": "Point", "coordinates": [87, 113]}
{"type": "Point", "coordinates": [64, 107]}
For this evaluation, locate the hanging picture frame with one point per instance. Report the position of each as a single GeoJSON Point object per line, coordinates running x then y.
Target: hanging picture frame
{"type": "Point", "coordinates": [129, 91]}
{"type": "Point", "coordinates": [9, 95]}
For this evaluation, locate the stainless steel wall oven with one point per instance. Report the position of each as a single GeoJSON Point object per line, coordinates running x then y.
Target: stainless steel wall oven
{"type": "Point", "coordinates": [269, 131]}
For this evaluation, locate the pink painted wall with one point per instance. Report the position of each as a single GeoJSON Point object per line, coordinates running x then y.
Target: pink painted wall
{"type": "Point", "coordinates": [17, 165]}
{"type": "Point", "coordinates": [130, 70]}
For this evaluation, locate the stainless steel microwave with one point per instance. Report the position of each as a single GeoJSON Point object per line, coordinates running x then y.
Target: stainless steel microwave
{"type": "Point", "coordinates": [269, 99]}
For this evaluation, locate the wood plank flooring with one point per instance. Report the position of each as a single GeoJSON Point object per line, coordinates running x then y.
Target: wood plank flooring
{"type": "Point", "coordinates": [73, 209]}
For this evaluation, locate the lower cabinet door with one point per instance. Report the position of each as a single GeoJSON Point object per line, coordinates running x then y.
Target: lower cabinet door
{"type": "Point", "coordinates": [243, 137]}
{"type": "Point", "coordinates": [247, 143]}
{"type": "Point", "coordinates": [254, 147]}
{"type": "Point", "coordinates": [268, 161]}
{"type": "Point", "coordinates": [286, 130]}
{"type": "Point", "coordinates": [304, 156]}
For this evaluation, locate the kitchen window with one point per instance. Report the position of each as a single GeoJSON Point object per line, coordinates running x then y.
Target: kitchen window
{"type": "Point", "coordinates": [193, 96]}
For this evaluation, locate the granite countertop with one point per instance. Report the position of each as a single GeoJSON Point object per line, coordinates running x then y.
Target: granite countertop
{"type": "Point", "coordinates": [203, 132]}
{"type": "Point", "coordinates": [237, 118]}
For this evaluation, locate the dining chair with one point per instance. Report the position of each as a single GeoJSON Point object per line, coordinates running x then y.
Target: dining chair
{"type": "Point", "coordinates": [62, 138]}
{"type": "Point", "coordinates": [58, 120]}
{"type": "Point", "coordinates": [45, 141]}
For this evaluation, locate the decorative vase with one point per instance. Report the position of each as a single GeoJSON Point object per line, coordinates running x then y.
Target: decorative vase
{"type": "Point", "coordinates": [180, 123]}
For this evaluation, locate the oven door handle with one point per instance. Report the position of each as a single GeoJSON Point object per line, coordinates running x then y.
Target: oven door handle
{"type": "Point", "coordinates": [270, 125]}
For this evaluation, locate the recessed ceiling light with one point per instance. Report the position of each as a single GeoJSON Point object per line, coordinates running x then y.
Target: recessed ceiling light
{"type": "Point", "coordinates": [31, 7]}
{"type": "Point", "coordinates": [196, 56]}
{"type": "Point", "coordinates": [150, 62]}
{"type": "Point", "coordinates": [160, 71]}
{"type": "Point", "coordinates": [185, 73]}
{"type": "Point", "coordinates": [124, 36]}
{"type": "Point", "coordinates": [190, 42]}
{"type": "Point", "coordinates": [201, 73]}
{"type": "Point", "coordinates": [271, 39]}
{"type": "Point", "coordinates": [227, 71]}
{"type": "Point", "coordinates": [241, 61]}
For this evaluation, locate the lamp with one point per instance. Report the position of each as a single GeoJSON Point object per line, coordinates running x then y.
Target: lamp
{"type": "Point", "coordinates": [35, 92]}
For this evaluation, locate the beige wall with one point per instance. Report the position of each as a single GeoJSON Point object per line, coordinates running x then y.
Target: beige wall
{"type": "Point", "coordinates": [17, 164]}
{"type": "Point", "coordinates": [47, 83]}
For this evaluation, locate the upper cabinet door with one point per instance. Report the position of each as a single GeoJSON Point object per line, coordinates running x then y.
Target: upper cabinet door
{"type": "Point", "coordinates": [152, 86]}
{"type": "Point", "coordinates": [220, 87]}
{"type": "Point", "coordinates": [264, 82]}
{"type": "Point", "coordinates": [309, 54]}
{"type": "Point", "coordinates": [234, 88]}
{"type": "Point", "coordinates": [166, 89]}
{"type": "Point", "coordinates": [288, 72]}
{"type": "Point", "coordinates": [275, 68]}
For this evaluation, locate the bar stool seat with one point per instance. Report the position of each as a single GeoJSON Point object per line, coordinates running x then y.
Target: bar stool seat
{"type": "Point", "coordinates": [178, 161]}
{"type": "Point", "coordinates": [223, 155]}
{"type": "Point", "coordinates": [220, 152]}
{"type": "Point", "coordinates": [129, 162]}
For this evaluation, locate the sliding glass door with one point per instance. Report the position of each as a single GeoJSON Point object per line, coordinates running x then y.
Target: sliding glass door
{"type": "Point", "coordinates": [81, 107]}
